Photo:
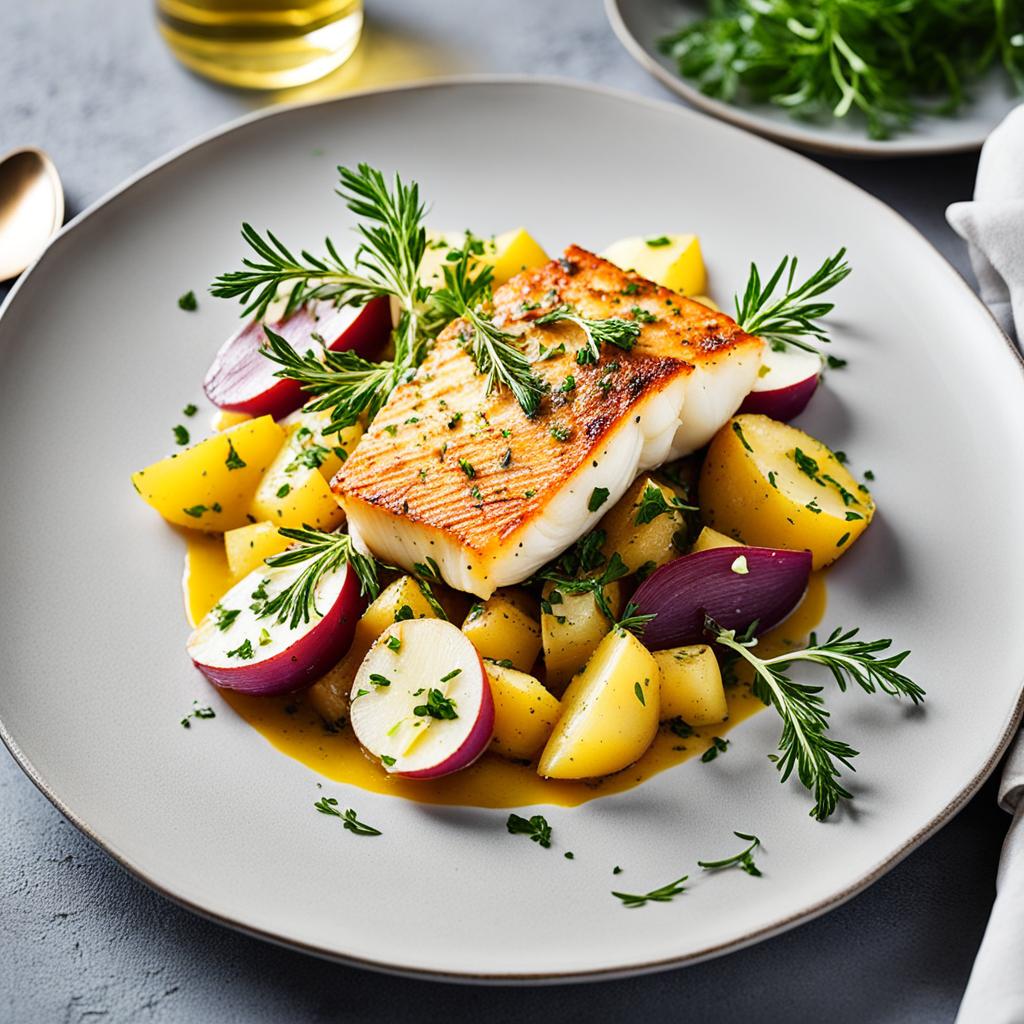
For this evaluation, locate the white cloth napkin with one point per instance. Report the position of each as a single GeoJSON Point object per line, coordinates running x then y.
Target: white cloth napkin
{"type": "Point", "coordinates": [993, 225]}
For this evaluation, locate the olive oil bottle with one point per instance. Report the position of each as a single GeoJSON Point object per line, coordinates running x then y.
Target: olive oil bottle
{"type": "Point", "coordinates": [261, 44]}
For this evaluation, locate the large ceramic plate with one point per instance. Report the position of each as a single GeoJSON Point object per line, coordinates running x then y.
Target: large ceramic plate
{"type": "Point", "coordinates": [97, 361]}
{"type": "Point", "coordinates": [639, 24]}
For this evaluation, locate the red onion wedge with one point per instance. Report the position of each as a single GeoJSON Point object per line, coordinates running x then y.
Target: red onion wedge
{"type": "Point", "coordinates": [235, 648]}
{"type": "Point", "coordinates": [735, 586]}
{"type": "Point", "coordinates": [242, 379]}
{"type": "Point", "coordinates": [789, 377]}
{"type": "Point", "coordinates": [421, 701]}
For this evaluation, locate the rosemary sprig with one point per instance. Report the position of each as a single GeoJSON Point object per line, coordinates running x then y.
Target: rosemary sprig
{"type": "Point", "coordinates": [611, 331]}
{"type": "Point", "coordinates": [663, 894]}
{"type": "Point", "coordinates": [744, 860]}
{"type": "Point", "coordinates": [343, 382]}
{"type": "Point", "coordinates": [790, 318]}
{"type": "Point", "coordinates": [493, 350]}
{"type": "Point", "coordinates": [804, 745]}
{"type": "Point", "coordinates": [325, 553]}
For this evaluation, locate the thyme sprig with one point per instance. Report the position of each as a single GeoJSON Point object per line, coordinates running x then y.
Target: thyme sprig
{"type": "Point", "coordinates": [325, 553]}
{"type": "Point", "coordinates": [744, 860]}
{"type": "Point", "coordinates": [790, 318]}
{"type": "Point", "coordinates": [611, 331]}
{"type": "Point", "coordinates": [585, 570]}
{"type": "Point", "coordinates": [804, 745]}
{"type": "Point", "coordinates": [663, 894]}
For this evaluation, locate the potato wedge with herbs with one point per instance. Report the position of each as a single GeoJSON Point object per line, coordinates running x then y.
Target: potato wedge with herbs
{"type": "Point", "coordinates": [610, 712]}
{"type": "Point", "coordinates": [691, 685]}
{"type": "Point", "coordinates": [501, 632]}
{"type": "Point", "coordinates": [211, 485]}
{"type": "Point", "coordinates": [508, 253]}
{"type": "Point", "coordinates": [572, 626]}
{"type": "Point", "coordinates": [248, 546]}
{"type": "Point", "coordinates": [524, 712]}
{"type": "Point", "coordinates": [768, 484]}
{"type": "Point", "coordinates": [400, 600]}
{"type": "Point", "coordinates": [708, 538]}
{"type": "Point", "coordinates": [673, 261]}
{"type": "Point", "coordinates": [642, 525]}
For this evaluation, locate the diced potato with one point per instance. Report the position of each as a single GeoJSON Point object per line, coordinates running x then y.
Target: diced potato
{"type": "Point", "coordinates": [402, 599]}
{"type": "Point", "coordinates": [768, 484]}
{"type": "Point", "coordinates": [295, 489]}
{"type": "Point", "coordinates": [642, 524]}
{"type": "Point", "coordinates": [524, 712]}
{"type": "Point", "coordinates": [708, 538]}
{"type": "Point", "coordinates": [211, 485]}
{"type": "Point", "coordinates": [572, 630]}
{"type": "Point", "coordinates": [225, 418]}
{"type": "Point", "coordinates": [500, 631]}
{"type": "Point", "coordinates": [691, 685]}
{"type": "Point", "coordinates": [609, 712]}
{"type": "Point", "coordinates": [306, 432]}
{"type": "Point", "coordinates": [248, 546]}
{"type": "Point", "coordinates": [522, 599]}
{"type": "Point", "coordinates": [677, 264]}
{"type": "Point", "coordinates": [511, 252]}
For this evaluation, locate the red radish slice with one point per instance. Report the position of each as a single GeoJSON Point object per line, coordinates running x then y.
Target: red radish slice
{"type": "Point", "coordinates": [241, 379]}
{"type": "Point", "coordinates": [262, 656]}
{"type": "Point", "coordinates": [787, 381]}
{"type": "Point", "coordinates": [421, 700]}
{"type": "Point", "coordinates": [735, 586]}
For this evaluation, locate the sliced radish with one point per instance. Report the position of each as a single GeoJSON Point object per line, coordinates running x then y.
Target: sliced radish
{"type": "Point", "coordinates": [242, 379]}
{"type": "Point", "coordinates": [421, 701]}
{"type": "Point", "coordinates": [262, 656]}
{"type": "Point", "coordinates": [786, 382]}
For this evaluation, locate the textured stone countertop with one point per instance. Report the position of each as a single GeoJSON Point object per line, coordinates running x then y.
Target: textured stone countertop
{"type": "Point", "coordinates": [91, 82]}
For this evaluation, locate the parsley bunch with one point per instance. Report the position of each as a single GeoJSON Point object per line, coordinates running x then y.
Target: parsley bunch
{"type": "Point", "coordinates": [884, 61]}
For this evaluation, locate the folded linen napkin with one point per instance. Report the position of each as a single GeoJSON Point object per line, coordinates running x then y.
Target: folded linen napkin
{"type": "Point", "coordinates": [993, 226]}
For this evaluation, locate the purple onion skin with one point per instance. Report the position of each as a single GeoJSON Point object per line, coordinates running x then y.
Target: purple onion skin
{"type": "Point", "coordinates": [682, 592]}
{"type": "Point", "coordinates": [783, 404]}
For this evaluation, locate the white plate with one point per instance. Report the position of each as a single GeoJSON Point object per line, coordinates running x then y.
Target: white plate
{"type": "Point", "coordinates": [639, 24]}
{"type": "Point", "coordinates": [97, 362]}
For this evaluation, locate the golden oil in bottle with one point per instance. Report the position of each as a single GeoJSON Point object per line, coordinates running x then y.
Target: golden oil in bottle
{"type": "Point", "coordinates": [261, 44]}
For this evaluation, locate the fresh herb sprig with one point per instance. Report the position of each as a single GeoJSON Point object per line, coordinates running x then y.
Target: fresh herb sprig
{"type": "Point", "coordinates": [744, 860]}
{"type": "Point", "coordinates": [876, 59]}
{"type": "Point", "coordinates": [536, 827]}
{"type": "Point", "coordinates": [663, 894]}
{"type": "Point", "coordinates": [324, 553]}
{"type": "Point", "coordinates": [494, 351]}
{"type": "Point", "coordinates": [804, 745]}
{"type": "Point", "coordinates": [610, 331]}
{"type": "Point", "coordinates": [653, 503]}
{"type": "Point", "coordinates": [329, 805]}
{"type": "Point", "coordinates": [342, 382]}
{"type": "Point", "coordinates": [585, 570]}
{"type": "Point", "coordinates": [790, 317]}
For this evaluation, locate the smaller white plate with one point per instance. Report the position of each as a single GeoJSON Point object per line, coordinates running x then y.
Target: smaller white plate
{"type": "Point", "coordinates": [639, 24]}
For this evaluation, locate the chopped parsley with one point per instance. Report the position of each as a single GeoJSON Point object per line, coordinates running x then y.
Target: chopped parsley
{"type": "Point", "coordinates": [536, 827]}
{"type": "Point", "coordinates": [234, 460]}
{"type": "Point", "coordinates": [639, 691]}
{"type": "Point", "coordinates": [467, 467]}
{"type": "Point", "coordinates": [243, 650]}
{"type": "Point", "coordinates": [738, 431]}
{"type": "Point", "coordinates": [560, 432]}
{"type": "Point", "coordinates": [190, 410]}
{"type": "Point", "coordinates": [180, 435]}
{"type": "Point", "coordinates": [188, 302]}
{"type": "Point", "coordinates": [659, 242]}
{"type": "Point", "coordinates": [437, 706]}
{"type": "Point", "coordinates": [598, 496]}
{"type": "Point", "coordinates": [225, 616]}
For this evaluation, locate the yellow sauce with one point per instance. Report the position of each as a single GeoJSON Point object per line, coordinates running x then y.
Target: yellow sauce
{"type": "Point", "coordinates": [293, 728]}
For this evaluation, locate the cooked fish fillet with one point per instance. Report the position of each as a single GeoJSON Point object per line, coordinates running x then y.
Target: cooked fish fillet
{"type": "Point", "coordinates": [451, 473]}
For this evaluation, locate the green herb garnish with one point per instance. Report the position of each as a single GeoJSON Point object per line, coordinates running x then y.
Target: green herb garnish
{"type": "Point", "coordinates": [535, 827]}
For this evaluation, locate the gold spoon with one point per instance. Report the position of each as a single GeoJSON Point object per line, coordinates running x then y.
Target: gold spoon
{"type": "Point", "coordinates": [31, 208]}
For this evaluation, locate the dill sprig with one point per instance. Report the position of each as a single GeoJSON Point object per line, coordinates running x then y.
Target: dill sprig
{"type": "Point", "coordinates": [804, 745]}
{"type": "Point", "coordinates": [493, 350]}
{"type": "Point", "coordinates": [790, 318]}
{"type": "Point", "coordinates": [611, 331]}
{"type": "Point", "coordinates": [325, 553]}
{"type": "Point", "coordinates": [886, 61]}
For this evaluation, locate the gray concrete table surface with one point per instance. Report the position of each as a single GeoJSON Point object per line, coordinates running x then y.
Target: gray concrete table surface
{"type": "Point", "coordinates": [80, 940]}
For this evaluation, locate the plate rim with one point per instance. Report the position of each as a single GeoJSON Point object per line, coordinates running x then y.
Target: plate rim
{"type": "Point", "coordinates": [784, 923]}
{"type": "Point", "coordinates": [790, 135]}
